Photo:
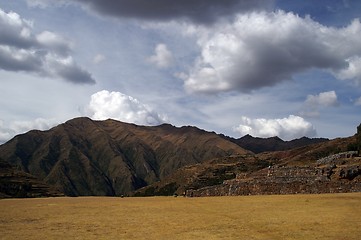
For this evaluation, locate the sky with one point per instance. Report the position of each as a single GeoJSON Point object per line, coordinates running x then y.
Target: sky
{"type": "Point", "coordinates": [260, 67]}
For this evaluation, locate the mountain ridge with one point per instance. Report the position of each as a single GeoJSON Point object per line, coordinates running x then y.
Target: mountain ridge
{"type": "Point", "coordinates": [83, 157]}
{"type": "Point", "coordinates": [86, 157]}
{"type": "Point", "coordinates": [258, 145]}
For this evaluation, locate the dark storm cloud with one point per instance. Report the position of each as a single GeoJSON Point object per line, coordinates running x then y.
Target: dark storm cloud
{"type": "Point", "coordinates": [46, 53]}
{"type": "Point", "coordinates": [73, 73]}
{"type": "Point", "coordinates": [199, 11]}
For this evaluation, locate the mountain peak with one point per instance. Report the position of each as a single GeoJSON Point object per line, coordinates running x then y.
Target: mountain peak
{"type": "Point", "coordinates": [86, 157]}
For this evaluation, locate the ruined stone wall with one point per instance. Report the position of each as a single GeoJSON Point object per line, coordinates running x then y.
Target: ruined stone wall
{"type": "Point", "coordinates": [337, 156]}
{"type": "Point", "coordinates": [289, 180]}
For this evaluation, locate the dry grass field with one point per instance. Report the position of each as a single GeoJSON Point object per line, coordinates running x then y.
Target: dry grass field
{"type": "Point", "coordinates": [328, 216]}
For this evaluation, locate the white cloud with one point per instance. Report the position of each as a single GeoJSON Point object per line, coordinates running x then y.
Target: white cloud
{"type": "Point", "coordinates": [115, 105]}
{"type": "Point", "coordinates": [352, 71]}
{"type": "Point", "coordinates": [327, 99]}
{"type": "Point", "coordinates": [285, 128]}
{"type": "Point", "coordinates": [22, 50]}
{"type": "Point", "coordinates": [264, 48]}
{"type": "Point", "coordinates": [162, 57]}
{"type": "Point", "coordinates": [9, 130]}
{"type": "Point", "coordinates": [15, 30]}
{"type": "Point", "coordinates": [313, 103]}
{"type": "Point", "coordinates": [54, 41]}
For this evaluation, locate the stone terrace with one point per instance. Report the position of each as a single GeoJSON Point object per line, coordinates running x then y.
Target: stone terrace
{"type": "Point", "coordinates": [345, 176]}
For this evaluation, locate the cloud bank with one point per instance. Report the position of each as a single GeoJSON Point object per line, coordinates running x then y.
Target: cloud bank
{"type": "Point", "coordinates": [46, 53]}
{"type": "Point", "coordinates": [115, 105]}
{"type": "Point", "coordinates": [288, 128]}
{"type": "Point", "coordinates": [261, 49]}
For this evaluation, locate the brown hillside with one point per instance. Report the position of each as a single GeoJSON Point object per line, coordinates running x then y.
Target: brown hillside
{"type": "Point", "coordinates": [310, 153]}
{"type": "Point", "coordinates": [293, 171]}
{"type": "Point", "coordinates": [16, 183]}
{"type": "Point", "coordinates": [259, 145]}
{"type": "Point", "coordinates": [85, 157]}
{"type": "Point", "coordinates": [208, 173]}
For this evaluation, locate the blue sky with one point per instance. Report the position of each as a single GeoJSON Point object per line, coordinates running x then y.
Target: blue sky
{"type": "Point", "coordinates": [265, 68]}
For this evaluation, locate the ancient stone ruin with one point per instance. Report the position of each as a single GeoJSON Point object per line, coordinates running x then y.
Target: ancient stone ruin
{"type": "Point", "coordinates": [334, 174]}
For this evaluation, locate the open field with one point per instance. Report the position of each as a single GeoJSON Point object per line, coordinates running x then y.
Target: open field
{"type": "Point", "coordinates": [328, 216]}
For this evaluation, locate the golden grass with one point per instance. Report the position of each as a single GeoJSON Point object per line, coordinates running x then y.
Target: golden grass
{"type": "Point", "coordinates": [328, 216]}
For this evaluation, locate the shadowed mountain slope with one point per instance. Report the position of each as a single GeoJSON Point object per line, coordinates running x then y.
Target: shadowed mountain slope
{"type": "Point", "coordinates": [86, 157]}
{"type": "Point", "coordinates": [258, 145]}
{"type": "Point", "coordinates": [16, 183]}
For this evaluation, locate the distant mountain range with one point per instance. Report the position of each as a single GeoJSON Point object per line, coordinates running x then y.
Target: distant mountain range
{"type": "Point", "coordinates": [83, 157]}
{"type": "Point", "coordinates": [258, 145]}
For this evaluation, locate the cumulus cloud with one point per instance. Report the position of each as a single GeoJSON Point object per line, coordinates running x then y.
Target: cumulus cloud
{"type": "Point", "coordinates": [13, 59]}
{"type": "Point", "coordinates": [286, 128]}
{"type": "Point", "coordinates": [9, 130]}
{"type": "Point", "coordinates": [54, 42]}
{"type": "Point", "coordinates": [45, 53]}
{"type": "Point", "coordinates": [197, 11]}
{"type": "Point", "coordinates": [352, 71]}
{"type": "Point", "coordinates": [15, 31]}
{"type": "Point", "coordinates": [261, 49]}
{"type": "Point", "coordinates": [327, 99]}
{"type": "Point", "coordinates": [115, 105]}
{"type": "Point", "coordinates": [162, 57]}
{"type": "Point", "coordinates": [313, 103]}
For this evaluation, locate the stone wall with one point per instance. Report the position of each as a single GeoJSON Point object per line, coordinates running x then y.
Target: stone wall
{"type": "Point", "coordinates": [337, 156]}
{"type": "Point", "coordinates": [329, 178]}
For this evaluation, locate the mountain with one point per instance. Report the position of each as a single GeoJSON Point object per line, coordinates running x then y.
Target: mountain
{"type": "Point", "coordinates": [324, 167]}
{"type": "Point", "coordinates": [258, 145]}
{"type": "Point", "coordinates": [209, 173]}
{"type": "Point", "coordinates": [16, 183]}
{"type": "Point", "coordinates": [111, 158]}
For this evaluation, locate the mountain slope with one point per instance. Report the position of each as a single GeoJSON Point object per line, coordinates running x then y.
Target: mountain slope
{"type": "Point", "coordinates": [317, 168]}
{"type": "Point", "coordinates": [16, 183]}
{"type": "Point", "coordinates": [258, 145]}
{"type": "Point", "coordinates": [86, 157]}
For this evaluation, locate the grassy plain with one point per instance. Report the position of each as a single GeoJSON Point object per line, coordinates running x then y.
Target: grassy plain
{"type": "Point", "coordinates": [327, 216]}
